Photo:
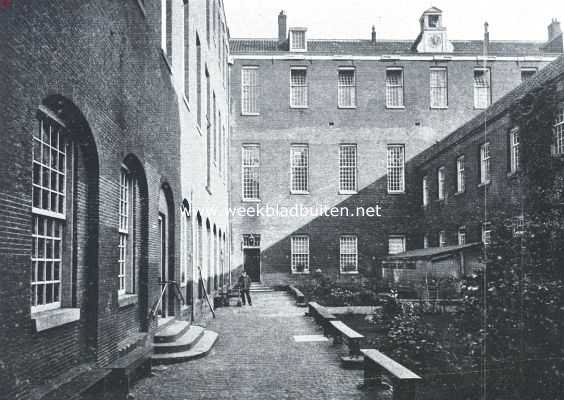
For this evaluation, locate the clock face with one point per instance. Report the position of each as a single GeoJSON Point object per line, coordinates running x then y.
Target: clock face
{"type": "Point", "coordinates": [435, 40]}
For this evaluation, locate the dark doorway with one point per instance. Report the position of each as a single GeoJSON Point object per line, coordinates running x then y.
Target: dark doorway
{"type": "Point", "coordinates": [252, 263]}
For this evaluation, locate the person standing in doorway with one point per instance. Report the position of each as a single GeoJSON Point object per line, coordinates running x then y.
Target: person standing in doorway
{"type": "Point", "coordinates": [244, 284]}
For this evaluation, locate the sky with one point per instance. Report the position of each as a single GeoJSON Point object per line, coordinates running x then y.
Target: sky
{"type": "Point", "coordinates": [397, 19]}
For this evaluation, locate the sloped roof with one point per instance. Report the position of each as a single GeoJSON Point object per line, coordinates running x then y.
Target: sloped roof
{"type": "Point", "coordinates": [384, 47]}
{"type": "Point", "coordinates": [428, 252]}
{"type": "Point", "coordinates": [432, 10]}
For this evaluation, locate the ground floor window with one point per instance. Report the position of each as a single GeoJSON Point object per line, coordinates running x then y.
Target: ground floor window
{"type": "Point", "coordinates": [348, 254]}
{"type": "Point", "coordinates": [300, 254]}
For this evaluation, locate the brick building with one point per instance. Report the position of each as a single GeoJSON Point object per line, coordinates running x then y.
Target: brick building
{"type": "Point", "coordinates": [112, 174]}
{"type": "Point", "coordinates": [331, 123]}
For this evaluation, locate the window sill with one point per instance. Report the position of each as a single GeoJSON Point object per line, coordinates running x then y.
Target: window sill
{"type": "Point", "coordinates": [349, 272]}
{"type": "Point", "coordinates": [125, 300]}
{"type": "Point", "coordinates": [292, 192]}
{"type": "Point", "coordinates": [347, 192]}
{"type": "Point", "coordinates": [395, 107]}
{"type": "Point", "coordinates": [483, 184]}
{"type": "Point", "coordinates": [186, 103]}
{"type": "Point", "coordinates": [439, 108]}
{"type": "Point", "coordinates": [53, 318]}
{"type": "Point", "coordinates": [396, 193]}
{"type": "Point", "coordinates": [299, 107]}
{"type": "Point", "coordinates": [346, 107]}
{"type": "Point", "coordinates": [250, 114]}
{"type": "Point", "coordinates": [300, 273]}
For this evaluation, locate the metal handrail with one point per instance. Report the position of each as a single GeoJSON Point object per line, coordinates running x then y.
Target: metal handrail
{"type": "Point", "coordinates": [159, 301]}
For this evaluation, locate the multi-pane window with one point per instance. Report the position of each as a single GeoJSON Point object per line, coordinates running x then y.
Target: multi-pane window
{"type": "Point", "coordinates": [124, 193]}
{"type": "Point", "coordinates": [527, 73]}
{"type": "Point", "coordinates": [438, 88]}
{"type": "Point", "coordinates": [485, 163]}
{"type": "Point", "coordinates": [514, 141]}
{"type": "Point", "coordinates": [347, 88]}
{"type": "Point", "coordinates": [460, 175]}
{"type": "Point", "coordinates": [49, 202]}
{"type": "Point", "coordinates": [396, 167]}
{"type": "Point", "coordinates": [462, 235]}
{"type": "Point", "coordinates": [486, 233]}
{"type": "Point", "coordinates": [298, 87]}
{"type": "Point", "coordinates": [482, 88]}
{"type": "Point", "coordinates": [441, 183]}
{"type": "Point", "coordinates": [300, 254]}
{"type": "Point", "coordinates": [185, 246]}
{"type": "Point", "coordinates": [347, 168]}
{"type": "Point", "coordinates": [442, 239]}
{"type": "Point", "coordinates": [425, 188]}
{"type": "Point", "coordinates": [425, 241]}
{"type": "Point", "coordinates": [251, 172]}
{"type": "Point", "coordinates": [298, 40]}
{"type": "Point", "coordinates": [249, 91]}
{"type": "Point", "coordinates": [518, 226]}
{"type": "Point", "coordinates": [299, 155]}
{"type": "Point", "coordinates": [558, 131]}
{"type": "Point", "coordinates": [396, 244]}
{"type": "Point", "coordinates": [348, 254]}
{"type": "Point", "coordinates": [394, 87]}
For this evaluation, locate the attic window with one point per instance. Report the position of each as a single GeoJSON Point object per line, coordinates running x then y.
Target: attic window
{"type": "Point", "coordinates": [433, 21]}
{"type": "Point", "coordinates": [298, 40]}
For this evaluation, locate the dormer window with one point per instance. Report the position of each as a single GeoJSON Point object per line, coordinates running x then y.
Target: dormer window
{"type": "Point", "coordinates": [298, 39]}
{"type": "Point", "coordinates": [433, 21]}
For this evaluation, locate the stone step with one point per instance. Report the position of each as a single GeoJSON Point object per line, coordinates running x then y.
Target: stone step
{"type": "Point", "coordinates": [200, 349]}
{"type": "Point", "coordinates": [183, 343]}
{"type": "Point", "coordinates": [171, 332]}
{"type": "Point", "coordinates": [261, 289]}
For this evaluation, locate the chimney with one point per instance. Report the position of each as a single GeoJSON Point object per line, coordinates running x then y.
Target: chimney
{"type": "Point", "coordinates": [373, 34]}
{"type": "Point", "coordinates": [282, 36]}
{"type": "Point", "coordinates": [554, 29]}
{"type": "Point", "coordinates": [486, 38]}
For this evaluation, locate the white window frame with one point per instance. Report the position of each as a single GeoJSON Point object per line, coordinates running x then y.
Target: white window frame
{"type": "Point", "coordinates": [391, 87]}
{"type": "Point", "coordinates": [441, 183]}
{"type": "Point", "coordinates": [299, 173]}
{"type": "Point", "coordinates": [125, 185]}
{"type": "Point", "coordinates": [302, 46]}
{"type": "Point", "coordinates": [348, 256]}
{"type": "Point", "coordinates": [247, 193]}
{"type": "Point", "coordinates": [528, 70]}
{"type": "Point", "coordinates": [558, 133]}
{"type": "Point", "coordinates": [393, 238]}
{"type": "Point", "coordinates": [346, 90]}
{"type": "Point", "coordinates": [185, 243]}
{"type": "Point", "coordinates": [514, 155]}
{"type": "Point", "coordinates": [249, 90]}
{"type": "Point", "coordinates": [485, 163]}
{"type": "Point", "coordinates": [461, 235]}
{"type": "Point", "coordinates": [294, 87]}
{"type": "Point", "coordinates": [442, 239]}
{"type": "Point", "coordinates": [425, 189]}
{"type": "Point", "coordinates": [164, 27]}
{"type": "Point", "coordinates": [460, 175]}
{"type": "Point", "coordinates": [439, 91]}
{"type": "Point", "coordinates": [396, 168]}
{"type": "Point", "coordinates": [486, 233]}
{"type": "Point", "coordinates": [347, 169]}
{"type": "Point", "coordinates": [299, 249]}
{"type": "Point", "coordinates": [479, 87]}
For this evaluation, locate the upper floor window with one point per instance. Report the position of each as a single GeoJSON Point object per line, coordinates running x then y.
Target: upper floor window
{"type": "Point", "coordinates": [527, 73]}
{"type": "Point", "coordinates": [460, 175]}
{"type": "Point", "coordinates": [298, 87]}
{"type": "Point", "coordinates": [300, 254]}
{"type": "Point", "coordinates": [482, 88]}
{"type": "Point", "coordinates": [299, 158]}
{"type": "Point", "coordinates": [438, 88]}
{"type": "Point", "coordinates": [394, 88]}
{"type": "Point", "coordinates": [396, 168]}
{"type": "Point", "coordinates": [396, 244]}
{"type": "Point", "coordinates": [514, 141]}
{"type": "Point", "coordinates": [442, 239]}
{"type": "Point", "coordinates": [425, 188]}
{"type": "Point", "coordinates": [485, 163]}
{"type": "Point", "coordinates": [441, 183]}
{"type": "Point", "coordinates": [348, 254]}
{"type": "Point", "coordinates": [347, 169]}
{"type": "Point", "coordinates": [298, 40]}
{"type": "Point", "coordinates": [462, 235]}
{"type": "Point", "coordinates": [558, 131]}
{"type": "Point", "coordinates": [347, 88]}
{"type": "Point", "coordinates": [251, 172]}
{"type": "Point", "coordinates": [249, 91]}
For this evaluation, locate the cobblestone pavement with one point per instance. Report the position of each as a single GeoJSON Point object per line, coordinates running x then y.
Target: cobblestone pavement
{"type": "Point", "coordinates": [256, 357]}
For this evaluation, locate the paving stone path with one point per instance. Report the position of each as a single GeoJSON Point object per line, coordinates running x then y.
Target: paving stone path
{"type": "Point", "coordinates": [258, 358]}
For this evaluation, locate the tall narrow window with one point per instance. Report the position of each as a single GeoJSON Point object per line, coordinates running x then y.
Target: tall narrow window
{"type": "Point", "coordinates": [558, 131]}
{"type": "Point", "coordinates": [220, 142]}
{"type": "Point", "coordinates": [461, 235]}
{"type": "Point", "coordinates": [441, 183]}
{"type": "Point", "coordinates": [209, 136]}
{"type": "Point", "coordinates": [514, 141]}
{"type": "Point", "coordinates": [124, 204]}
{"type": "Point", "coordinates": [299, 155]}
{"type": "Point", "coordinates": [249, 91]}
{"type": "Point", "coordinates": [485, 163]}
{"type": "Point", "coordinates": [166, 29]}
{"type": "Point", "coordinates": [482, 88]}
{"type": "Point", "coordinates": [460, 176]}
{"type": "Point", "coordinates": [214, 128]}
{"type": "Point", "coordinates": [208, 16]}
{"type": "Point", "coordinates": [396, 244]}
{"type": "Point", "coordinates": [438, 87]}
{"type": "Point", "coordinates": [348, 255]}
{"type": "Point", "coordinates": [347, 169]}
{"type": "Point", "coordinates": [347, 88]}
{"type": "Point", "coordinates": [185, 246]}
{"type": "Point", "coordinates": [300, 254]}
{"type": "Point", "coordinates": [394, 88]}
{"type": "Point", "coordinates": [486, 233]}
{"type": "Point", "coordinates": [298, 87]}
{"type": "Point", "coordinates": [49, 214]}
{"type": "Point", "coordinates": [200, 249]}
{"type": "Point", "coordinates": [198, 81]}
{"type": "Point", "coordinates": [298, 39]}
{"type": "Point", "coordinates": [251, 172]}
{"type": "Point", "coordinates": [425, 188]}
{"type": "Point", "coordinates": [442, 239]}
{"type": "Point", "coordinates": [396, 168]}
{"type": "Point", "coordinates": [187, 50]}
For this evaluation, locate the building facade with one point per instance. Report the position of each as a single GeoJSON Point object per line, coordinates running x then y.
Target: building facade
{"type": "Point", "coordinates": [322, 124]}
{"type": "Point", "coordinates": [113, 179]}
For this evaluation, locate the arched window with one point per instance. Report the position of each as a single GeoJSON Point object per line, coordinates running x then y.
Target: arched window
{"type": "Point", "coordinates": [128, 199]}
{"type": "Point", "coordinates": [200, 250]}
{"type": "Point", "coordinates": [186, 251]}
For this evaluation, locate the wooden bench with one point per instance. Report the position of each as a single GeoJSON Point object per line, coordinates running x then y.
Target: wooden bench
{"type": "Point", "coordinates": [404, 380]}
{"type": "Point", "coordinates": [297, 293]}
{"type": "Point", "coordinates": [352, 338]}
{"type": "Point", "coordinates": [128, 368]}
{"type": "Point", "coordinates": [321, 316]}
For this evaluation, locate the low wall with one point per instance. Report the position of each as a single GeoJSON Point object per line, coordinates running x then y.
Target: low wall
{"type": "Point", "coordinates": [358, 310]}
